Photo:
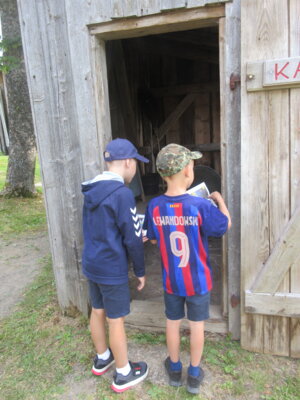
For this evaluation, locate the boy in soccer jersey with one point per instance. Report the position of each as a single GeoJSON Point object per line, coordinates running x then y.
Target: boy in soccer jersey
{"type": "Point", "coordinates": [112, 232]}
{"type": "Point", "coordinates": [181, 224]}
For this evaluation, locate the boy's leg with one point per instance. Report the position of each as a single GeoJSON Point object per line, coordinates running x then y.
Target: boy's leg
{"type": "Point", "coordinates": [97, 325]}
{"type": "Point", "coordinates": [104, 358]}
{"type": "Point", "coordinates": [197, 312]}
{"type": "Point", "coordinates": [173, 339]}
{"type": "Point", "coordinates": [196, 341]}
{"type": "Point", "coordinates": [117, 306]}
{"type": "Point", "coordinates": [118, 341]}
{"type": "Point", "coordinates": [174, 312]}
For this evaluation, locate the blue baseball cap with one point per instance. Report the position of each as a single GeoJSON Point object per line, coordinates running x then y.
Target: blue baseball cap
{"type": "Point", "coordinates": [121, 149]}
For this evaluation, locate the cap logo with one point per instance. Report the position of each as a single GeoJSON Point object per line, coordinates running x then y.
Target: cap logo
{"type": "Point", "coordinates": [106, 154]}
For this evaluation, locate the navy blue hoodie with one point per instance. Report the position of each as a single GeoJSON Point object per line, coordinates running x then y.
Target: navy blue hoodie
{"type": "Point", "coordinates": [111, 231]}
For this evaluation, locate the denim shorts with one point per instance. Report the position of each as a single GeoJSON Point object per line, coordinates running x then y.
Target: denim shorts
{"type": "Point", "coordinates": [114, 299]}
{"type": "Point", "coordinates": [197, 306]}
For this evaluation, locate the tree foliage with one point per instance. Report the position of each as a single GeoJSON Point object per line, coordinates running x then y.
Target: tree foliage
{"type": "Point", "coordinates": [8, 60]}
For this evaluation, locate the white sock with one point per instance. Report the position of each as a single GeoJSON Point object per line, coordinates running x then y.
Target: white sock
{"type": "Point", "coordinates": [125, 370]}
{"type": "Point", "coordinates": [104, 356]}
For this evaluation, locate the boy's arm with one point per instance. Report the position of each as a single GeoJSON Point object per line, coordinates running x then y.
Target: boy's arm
{"type": "Point", "coordinates": [148, 226]}
{"type": "Point", "coordinates": [218, 199]}
{"type": "Point", "coordinates": [129, 225]}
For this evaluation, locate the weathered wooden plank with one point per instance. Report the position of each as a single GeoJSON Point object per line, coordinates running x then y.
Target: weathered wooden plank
{"type": "Point", "coordinates": [99, 73]}
{"type": "Point", "coordinates": [117, 9]}
{"type": "Point", "coordinates": [180, 90]}
{"type": "Point", "coordinates": [267, 44]}
{"type": "Point", "coordinates": [175, 115]}
{"type": "Point", "coordinates": [150, 314]}
{"type": "Point", "coordinates": [201, 3]}
{"type": "Point", "coordinates": [172, 4]}
{"type": "Point", "coordinates": [230, 62]}
{"type": "Point", "coordinates": [254, 163]}
{"type": "Point", "coordinates": [155, 24]}
{"type": "Point", "coordinates": [295, 163]}
{"type": "Point", "coordinates": [79, 45]}
{"type": "Point", "coordinates": [276, 329]}
{"type": "Point", "coordinates": [53, 103]}
{"type": "Point", "coordinates": [146, 7]}
{"type": "Point", "coordinates": [130, 8]}
{"type": "Point", "coordinates": [285, 255]}
{"type": "Point", "coordinates": [278, 304]}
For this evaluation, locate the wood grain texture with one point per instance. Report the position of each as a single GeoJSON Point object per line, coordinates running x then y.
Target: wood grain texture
{"type": "Point", "coordinates": [230, 62]}
{"type": "Point", "coordinates": [279, 304]}
{"type": "Point", "coordinates": [257, 22]}
{"type": "Point", "coordinates": [295, 162]}
{"type": "Point", "coordinates": [53, 103]}
{"type": "Point", "coordinates": [285, 255]}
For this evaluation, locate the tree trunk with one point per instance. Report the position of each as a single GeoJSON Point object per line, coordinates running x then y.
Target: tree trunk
{"type": "Point", "coordinates": [22, 147]}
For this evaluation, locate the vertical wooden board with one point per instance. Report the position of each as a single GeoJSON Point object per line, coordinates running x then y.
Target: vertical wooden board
{"type": "Point", "coordinates": [146, 7]}
{"type": "Point", "coordinates": [202, 124]}
{"type": "Point", "coordinates": [276, 329]}
{"type": "Point", "coordinates": [80, 52]}
{"type": "Point", "coordinates": [262, 31]}
{"type": "Point", "coordinates": [295, 162]}
{"type": "Point", "coordinates": [130, 8]}
{"type": "Point", "coordinates": [215, 120]}
{"type": "Point", "coordinates": [254, 169]}
{"type": "Point", "coordinates": [116, 8]}
{"type": "Point", "coordinates": [172, 4]}
{"type": "Point", "coordinates": [52, 95]}
{"type": "Point", "coordinates": [230, 62]}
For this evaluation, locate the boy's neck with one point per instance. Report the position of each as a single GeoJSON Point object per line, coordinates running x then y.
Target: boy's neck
{"type": "Point", "coordinates": [175, 188]}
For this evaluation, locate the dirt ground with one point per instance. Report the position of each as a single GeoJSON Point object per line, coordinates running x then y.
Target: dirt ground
{"type": "Point", "coordinates": [20, 262]}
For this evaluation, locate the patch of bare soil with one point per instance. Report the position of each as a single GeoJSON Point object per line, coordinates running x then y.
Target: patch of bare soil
{"type": "Point", "coordinates": [20, 262]}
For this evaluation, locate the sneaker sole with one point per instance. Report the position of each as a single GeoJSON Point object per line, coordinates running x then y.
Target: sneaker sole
{"type": "Point", "coordinates": [102, 371]}
{"type": "Point", "coordinates": [193, 390]}
{"type": "Point", "coordinates": [122, 388]}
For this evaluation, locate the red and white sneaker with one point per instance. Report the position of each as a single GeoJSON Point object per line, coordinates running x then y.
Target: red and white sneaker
{"type": "Point", "coordinates": [137, 374]}
{"type": "Point", "coordinates": [101, 366]}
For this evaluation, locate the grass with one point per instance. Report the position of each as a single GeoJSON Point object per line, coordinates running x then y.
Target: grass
{"type": "Point", "coordinates": [20, 215]}
{"type": "Point", "coordinates": [3, 169]}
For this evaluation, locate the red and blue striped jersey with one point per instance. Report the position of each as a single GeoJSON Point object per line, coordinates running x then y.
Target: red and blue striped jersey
{"type": "Point", "coordinates": [181, 225]}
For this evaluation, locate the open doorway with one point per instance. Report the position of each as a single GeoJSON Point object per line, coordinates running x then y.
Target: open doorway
{"type": "Point", "coordinates": [163, 89]}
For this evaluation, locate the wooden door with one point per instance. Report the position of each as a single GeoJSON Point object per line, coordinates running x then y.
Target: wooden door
{"type": "Point", "coordinates": [270, 181]}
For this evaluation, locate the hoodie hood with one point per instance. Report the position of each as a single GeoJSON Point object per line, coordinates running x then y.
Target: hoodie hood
{"type": "Point", "coordinates": [97, 190]}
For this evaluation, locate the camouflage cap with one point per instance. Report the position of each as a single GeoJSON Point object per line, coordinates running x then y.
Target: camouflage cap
{"type": "Point", "coordinates": [173, 158]}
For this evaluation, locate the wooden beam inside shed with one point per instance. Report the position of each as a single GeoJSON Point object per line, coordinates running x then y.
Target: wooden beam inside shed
{"type": "Point", "coordinates": [181, 90]}
{"type": "Point", "coordinates": [160, 46]}
{"type": "Point", "coordinates": [175, 115]}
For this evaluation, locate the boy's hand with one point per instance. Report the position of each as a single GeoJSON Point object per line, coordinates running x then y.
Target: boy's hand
{"type": "Point", "coordinates": [142, 281]}
{"type": "Point", "coordinates": [216, 197]}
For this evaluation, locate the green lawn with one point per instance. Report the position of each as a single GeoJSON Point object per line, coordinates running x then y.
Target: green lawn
{"type": "Point", "coordinates": [3, 168]}
{"type": "Point", "coordinates": [20, 215]}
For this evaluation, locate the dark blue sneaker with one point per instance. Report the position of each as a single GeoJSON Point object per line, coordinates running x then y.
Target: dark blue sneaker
{"type": "Point", "coordinates": [101, 366]}
{"type": "Point", "coordinates": [137, 374]}
{"type": "Point", "coordinates": [193, 382]}
{"type": "Point", "coordinates": [174, 376]}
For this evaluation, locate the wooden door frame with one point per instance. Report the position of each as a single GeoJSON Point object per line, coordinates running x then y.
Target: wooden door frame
{"type": "Point", "coordinates": [186, 19]}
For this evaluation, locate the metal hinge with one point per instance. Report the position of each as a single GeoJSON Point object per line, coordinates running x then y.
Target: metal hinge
{"type": "Point", "coordinates": [234, 80]}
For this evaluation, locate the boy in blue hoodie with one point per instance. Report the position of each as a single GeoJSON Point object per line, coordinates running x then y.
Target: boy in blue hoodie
{"type": "Point", "coordinates": [112, 232]}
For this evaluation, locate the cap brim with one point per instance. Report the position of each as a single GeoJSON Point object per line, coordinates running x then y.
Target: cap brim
{"type": "Point", "coordinates": [141, 158]}
{"type": "Point", "coordinates": [195, 155]}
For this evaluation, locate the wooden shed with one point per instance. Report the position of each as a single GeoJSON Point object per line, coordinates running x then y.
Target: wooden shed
{"type": "Point", "coordinates": [219, 76]}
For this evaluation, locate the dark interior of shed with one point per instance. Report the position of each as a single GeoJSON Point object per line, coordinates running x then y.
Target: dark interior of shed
{"type": "Point", "coordinates": [165, 89]}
